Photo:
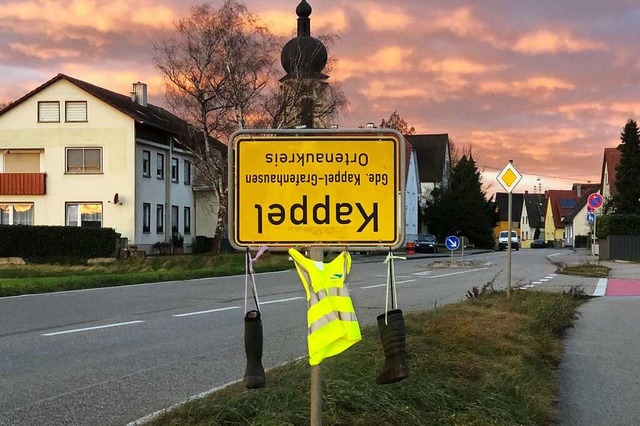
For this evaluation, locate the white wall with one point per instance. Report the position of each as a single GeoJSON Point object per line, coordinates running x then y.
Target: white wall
{"type": "Point", "coordinates": [411, 200]}
{"type": "Point", "coordinates": [105, 127]}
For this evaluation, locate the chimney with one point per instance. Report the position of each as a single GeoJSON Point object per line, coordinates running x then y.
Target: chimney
{"type": "Point", "coordinates": [579, 190]}
{"type": "Point", "coordinates": [139, 94]}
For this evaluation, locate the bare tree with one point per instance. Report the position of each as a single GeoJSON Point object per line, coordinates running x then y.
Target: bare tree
{"type": "Point", "coordinates": [398, 123]}
{"type": "Point", "coordinates": [215, 68]}
{"type": "Point", "coordinates": [220, 75]}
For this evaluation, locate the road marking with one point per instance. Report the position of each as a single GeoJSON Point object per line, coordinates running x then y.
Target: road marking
{"type": "Point", "coordinates": [456, 273]}
{"type": "Point", "coordinates": [281, 300]}
{"type": "Point", "coordinates": [536, 282]}
{"type": "Point", "coordinates": [550, 277]}
{"type": "Point", "coordinates": [423, 273]}
{"type": "Point", "coordinates": [556, 254]}
{"type": "Point", "coordinates": [553, 275]}
{"type": "Point", "coordinates": [92, 328]}
{"type": "Point", "coordinates": [544, 280]}
{"type": "Point", "coordinates": [382, 285]}
{"type": "Point", "coordinates": [601, 288]}
{"type": "Point", "coordinates": [207, 312]}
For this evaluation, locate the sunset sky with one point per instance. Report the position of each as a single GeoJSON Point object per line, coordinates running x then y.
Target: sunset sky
{"type": "Point", "coordinates": [548, 84]}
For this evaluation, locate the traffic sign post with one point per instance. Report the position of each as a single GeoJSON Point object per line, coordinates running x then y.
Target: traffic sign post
{"type": "Point", "coordinates": [509, 178]}
{"type": "Point", "coordinates": [452, 243]}
{"type": "Point", "coordinates": [316, 188]}
{"type": "Point", "coordinates": [594, 202]}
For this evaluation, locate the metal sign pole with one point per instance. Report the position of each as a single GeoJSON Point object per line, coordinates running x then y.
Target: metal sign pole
{"type": "Point", "coordinates": [593, 237]}
{"type": "Point", "coordinates": [316, 253]}
{"type": "Point", "coordinates": [509, 245]}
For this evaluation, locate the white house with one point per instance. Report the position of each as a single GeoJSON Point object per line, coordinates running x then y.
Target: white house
{"type": "Point", "coordinates": [76, 154]}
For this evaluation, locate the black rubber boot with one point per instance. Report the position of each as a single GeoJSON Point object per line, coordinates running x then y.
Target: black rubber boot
{"type": "Point", "coordinates": [254, 374]}
{"type": "Point", "coordinates": [392, 335]}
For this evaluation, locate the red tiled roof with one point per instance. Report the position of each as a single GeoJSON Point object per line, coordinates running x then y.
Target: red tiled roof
{"type": "Point", "coordinates": [560, 212]}
{"type": "Point", "coordinates": [610, 161]}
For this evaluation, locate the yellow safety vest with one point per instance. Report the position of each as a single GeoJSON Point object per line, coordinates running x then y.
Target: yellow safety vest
{"type": "Point", "coordinates": [331, 318]}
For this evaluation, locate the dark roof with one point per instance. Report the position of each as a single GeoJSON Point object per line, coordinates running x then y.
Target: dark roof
{"type": "Point", "coordinates": [591, 189]}
{"type": "Point", "coordinates": [535, 209]}
{"type": "Point", "coordinates": [151, 115]}
{"type": "Point", "coordinates": [431, 154]}
{"type": "Point", "coordinates": [610, 161]}
{"type": "Point", "coordinates": [502, 206]}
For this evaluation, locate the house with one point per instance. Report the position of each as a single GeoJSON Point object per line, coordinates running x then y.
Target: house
{"type": "Point", "coordinates": [560, 204]}
{"type": "Point", "coordinates": [577, 228]}
{"type": "Point", "coordinates": [428, 165]}
{"type": "Point", "coordinates": [610, 161]}
{"type": "Point", "coordinates": [75, 154]}
{"type": "Point", "coordinates": [532, 219]}
{"type": "Point", "coordinates": [501, 206]}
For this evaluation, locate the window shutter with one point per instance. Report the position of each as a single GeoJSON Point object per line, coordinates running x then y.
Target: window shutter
{"type": "Point", "coordinates": [49, 112]}
{"type": "Point", "coordinates": [76, 111]}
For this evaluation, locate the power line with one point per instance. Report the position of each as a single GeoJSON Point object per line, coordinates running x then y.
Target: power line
{"type": "Point", "coordinates": [575, 179]}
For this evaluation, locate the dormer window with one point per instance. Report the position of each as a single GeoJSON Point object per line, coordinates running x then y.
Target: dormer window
{"type": "Point", "coordinates": [75, 111]}
{"type": "Point", "coordinates": [49, 112]}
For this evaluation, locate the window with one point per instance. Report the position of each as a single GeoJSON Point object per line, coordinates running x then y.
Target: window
{"type": "Point", "coordinates": [146, 164]}
{"type": "Point", "coordinates": [86, 215]}
{"type": "Point", "coordinates": [187, 172]}
{"type": "Point", "coordinates": [75, 111]}
{"type": "Point", "coordinates": [187, 220]}
{"type": "Point", "coordinates": [160, 166]}
{"type": "Point", "coordinates": [146, 217]}
{"type": "Point", "coordinates": [174, 170]}
{"type": "Point", "coordinates": [21, 161]}
{"type": "Point", "coordinates": [174, 219]}
{"type": "Point", "coordinates": [16, 214]}
{"type": "Point", "coordinates": [160, 218]}
{"type": "Point", "coordinates": [49, 112]}
{"type": "Point", "coordinates": [84, 160]}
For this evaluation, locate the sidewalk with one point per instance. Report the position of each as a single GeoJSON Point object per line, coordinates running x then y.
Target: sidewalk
{"type": "Point", "coordinates": [599, 377]}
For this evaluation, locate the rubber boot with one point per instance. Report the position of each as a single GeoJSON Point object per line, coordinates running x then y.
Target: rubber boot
{"type": "Point", "coordinates": [254, 374]}
{"type": "Point", "coordinates": [392, 335]}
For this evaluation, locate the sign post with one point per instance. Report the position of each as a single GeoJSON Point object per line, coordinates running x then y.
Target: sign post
{"type": "Point", "coordinates": [594, 203]}
{"type": "Point", "coordinates": [452, 243]}
{"type": "Point", "coordinates": [509, 178]}
{"type": "Point", "coordinates": [326, 190]}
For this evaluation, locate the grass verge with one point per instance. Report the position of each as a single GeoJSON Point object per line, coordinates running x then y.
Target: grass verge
{"type": "Point", "coordinates": [43, 278]}
{"type": "Point", "coordinates": [486, 361]}
{"type": "Point", "coordinates": [587, 270]}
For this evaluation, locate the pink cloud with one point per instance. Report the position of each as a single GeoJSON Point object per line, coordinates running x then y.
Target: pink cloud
{"type": "Point", "coordinates": [386, 18]}
{"type": "Point", "coordinates": [545, 41]}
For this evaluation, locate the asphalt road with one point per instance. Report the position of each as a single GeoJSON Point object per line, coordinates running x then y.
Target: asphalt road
{"type": "Point", "coordinates": [111, 356]}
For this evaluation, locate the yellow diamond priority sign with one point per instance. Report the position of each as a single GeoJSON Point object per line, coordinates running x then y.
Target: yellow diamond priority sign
{"type": "Point", "coordinates": [509, 177]}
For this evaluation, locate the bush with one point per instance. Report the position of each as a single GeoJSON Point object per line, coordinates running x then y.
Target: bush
{"type": "Point", "coordinates": [55, 241]}
{"type": "Point", "coordinates": [617, 224]}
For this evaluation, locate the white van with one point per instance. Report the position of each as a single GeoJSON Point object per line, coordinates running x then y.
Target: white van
{"type": "Point", "coordinates": [502, 240]}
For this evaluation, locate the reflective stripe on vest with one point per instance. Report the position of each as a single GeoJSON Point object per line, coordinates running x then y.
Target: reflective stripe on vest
{"type": "Point", "coordinates": [331, 318]}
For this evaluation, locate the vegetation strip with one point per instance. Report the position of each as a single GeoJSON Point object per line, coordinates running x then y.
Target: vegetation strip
{"type": "Point", "coordinates": [488, 360]}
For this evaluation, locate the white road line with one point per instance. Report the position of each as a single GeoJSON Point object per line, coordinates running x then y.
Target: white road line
{"type": "Point", "coordinates": [601, 288]}
{"type": "Point", "coordinates": [556, 254]}
{"type": "Point", "coordinates": [423, 273]}
{"type": "Point", "coordinates": [207, 312]}
{"type": "Point", "coordinates": [536, 282]}
{"type": "Point", "coordinates": [92, 328]}
{"type": "Point", "coordinates": [382, 285]}
{"type": "Point", "coordinates": [544, 280]}
{"type": "Point", "coordinates": [550, 277]}
{"type": "Point", "coordinates": [553, 275]}
{"type": "Point", "coordinates": [281, 300]}
{"type": "Point", "coordinates": [456, 273]}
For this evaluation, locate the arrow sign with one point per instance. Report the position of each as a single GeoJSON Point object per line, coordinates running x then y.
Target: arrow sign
{"type": "Point", "coordinates": [452, 242]}
{"type": "Point", "coordinates": [595, 200]}
{"type": "Point", "coordinates": [591, 217]}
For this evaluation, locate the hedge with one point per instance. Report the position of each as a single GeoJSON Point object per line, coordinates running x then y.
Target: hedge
{"type": "Point", "coordinates": [56, 241]}
{"type": "Point", "coordinates": [617, 224]}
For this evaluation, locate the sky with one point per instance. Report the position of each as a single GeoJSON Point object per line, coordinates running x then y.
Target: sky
{"type": "Point", "coordinates": [546, 83]}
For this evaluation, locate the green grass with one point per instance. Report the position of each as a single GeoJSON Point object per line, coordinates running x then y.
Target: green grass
{"type": "Point", "coordinates": [43, 278]}
{"type": "Point", "coordinates": [587, 270]}
{"type": "Point", "coordinates": [486, 361]}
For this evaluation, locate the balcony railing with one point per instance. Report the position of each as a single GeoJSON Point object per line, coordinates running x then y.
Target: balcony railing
{"type": "Point", "coordinates": [23, 183]}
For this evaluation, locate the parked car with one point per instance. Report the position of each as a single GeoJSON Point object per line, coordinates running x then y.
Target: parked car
{"type": "Point", "coordinates": [503, 240]}
{"type": "Point", "coordinates": [538, 244]}
{"type": "Point", "coordinates": [426, 244]}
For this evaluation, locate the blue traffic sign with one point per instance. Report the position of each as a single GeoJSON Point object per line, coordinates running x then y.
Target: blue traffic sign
{"type": "Point", "coordinates": [590, 209]}
{"type": "Point", "coordinates": [591, 217]}
{"type": "Point", "coordinates": [452, 242]}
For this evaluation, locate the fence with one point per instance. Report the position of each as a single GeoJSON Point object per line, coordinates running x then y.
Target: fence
{"type": "Point", "coordinates": [621, 247]}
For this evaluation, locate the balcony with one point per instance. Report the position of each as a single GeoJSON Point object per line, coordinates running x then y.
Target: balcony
{"type": "Point", "coordinates": [23, 184]}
